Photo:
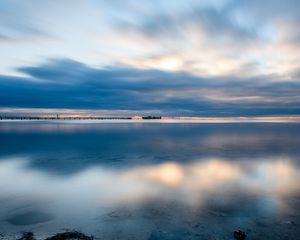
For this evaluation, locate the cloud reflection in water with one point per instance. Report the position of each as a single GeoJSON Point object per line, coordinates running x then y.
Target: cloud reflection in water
{"type": "Point", "coordinates": [193, 183]}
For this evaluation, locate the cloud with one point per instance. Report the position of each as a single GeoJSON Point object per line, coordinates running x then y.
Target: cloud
{"type": "Point", "coordinates": [207, 38]}
{"type": "Point", "coordinates": [64, 83]}
{"type": "Point", "coordinates": [230, 57]}
{"type": "Point", "coordinates": [17, 25]}
{"type": "Point", "coordinates": [218, 39]}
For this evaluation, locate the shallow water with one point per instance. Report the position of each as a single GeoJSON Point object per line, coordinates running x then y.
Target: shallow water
{"type": "Point", "coordinates": [150, 180]}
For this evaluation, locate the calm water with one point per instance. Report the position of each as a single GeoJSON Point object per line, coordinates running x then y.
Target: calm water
{"type": "Point", "coordinates": [150, 180]}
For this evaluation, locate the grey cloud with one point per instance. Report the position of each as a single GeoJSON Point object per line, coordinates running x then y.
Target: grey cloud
{"type": "Point", "coordinates": [16, 24]}
{"type": "Point", "coordinates": [69, 84]}
{"type": "Point", "coordinates": [217, 24]}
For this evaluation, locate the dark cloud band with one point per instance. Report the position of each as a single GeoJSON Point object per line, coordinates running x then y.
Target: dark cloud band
{"type": "Point", "coordinates": [69, 84]}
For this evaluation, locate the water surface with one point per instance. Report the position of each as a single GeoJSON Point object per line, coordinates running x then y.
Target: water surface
{"type": "Point", "coordinates": [150, 180]}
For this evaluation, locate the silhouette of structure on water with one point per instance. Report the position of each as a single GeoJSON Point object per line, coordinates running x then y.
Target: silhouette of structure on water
{"type": "Point", "coordinates": [151, 117]}
{"type": "Point", "coordinates": [57, 117]}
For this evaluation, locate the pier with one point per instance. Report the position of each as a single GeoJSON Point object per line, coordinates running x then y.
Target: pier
{"type": "Point", "coordinates": [57, 117]}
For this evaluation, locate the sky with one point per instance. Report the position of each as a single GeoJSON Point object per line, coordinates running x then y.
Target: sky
{"type": "Point", "coordinates": [170, 58]}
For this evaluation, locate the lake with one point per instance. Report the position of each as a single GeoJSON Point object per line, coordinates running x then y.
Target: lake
{"type": "Point", "coordinates": [142, 180]}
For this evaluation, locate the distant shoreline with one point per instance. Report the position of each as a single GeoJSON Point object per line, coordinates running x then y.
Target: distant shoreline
{"type": "Point", "coordinates": [152, 119]}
